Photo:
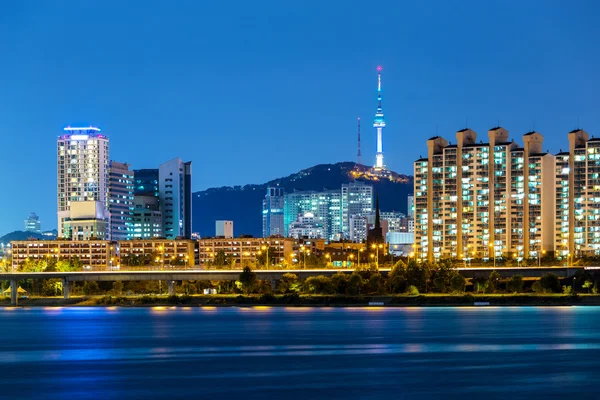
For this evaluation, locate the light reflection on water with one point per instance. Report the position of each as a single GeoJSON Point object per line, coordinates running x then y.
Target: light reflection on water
{"type": "Point", "coordinates": [168, 352]}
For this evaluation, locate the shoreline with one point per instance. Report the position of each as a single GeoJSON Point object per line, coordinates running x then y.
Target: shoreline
{"type": "Point", "coordinates": [291, 300]}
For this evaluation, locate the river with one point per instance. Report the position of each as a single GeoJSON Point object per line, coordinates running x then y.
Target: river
{"type": "Point", "coordinates": [304, 353]}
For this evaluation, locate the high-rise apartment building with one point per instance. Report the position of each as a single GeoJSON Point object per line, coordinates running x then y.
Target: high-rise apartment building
{"type": "Point", "coordinates": [120, 201]}
{"type": "Point", "coordinates": [33, 224]}
{"type": "Point", "coordinates": [82, 173]}
{"type": "Point", "coordinates": [578, 197]}
{"type": "Point", "coordinates": [484, 199]}
{"type": "Point", "coordinates": [175, 194]}
{"type": "Point", "coordinates": [272, 213]}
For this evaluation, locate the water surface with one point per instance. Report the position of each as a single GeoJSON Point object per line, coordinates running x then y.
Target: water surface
{"type": "Point", "coordinates": [286, 353]}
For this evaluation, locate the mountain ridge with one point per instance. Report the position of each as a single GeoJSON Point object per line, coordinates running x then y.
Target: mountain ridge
{"type": "Point", "coordinates": [243, 203]}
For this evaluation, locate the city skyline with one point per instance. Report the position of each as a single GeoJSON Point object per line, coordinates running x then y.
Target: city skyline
{"type": "Point", "coordinates": [169, 106]}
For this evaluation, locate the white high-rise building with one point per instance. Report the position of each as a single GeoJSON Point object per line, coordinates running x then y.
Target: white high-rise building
{"type": "Point", "coordinates": [82, 155]}
{"type": "Point", "coordinates": [175, 194]}
{"type": "Point", "coordinates": [224, 229]}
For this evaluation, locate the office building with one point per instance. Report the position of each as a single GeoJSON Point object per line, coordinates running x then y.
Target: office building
{"type": "Point", "coordinates": [88, 220]}
{"type": "Point", "coordinates": [120, 201]}
{"type": "Point", "coordinates": [147, 218]}
{"type": "Point", "coordinates": [146, 182]}
{"type": "Point", "coordinates": [410, 212]}
{"type": "Point", "coordinates": [33, 224]}
{"type": "Point", "coordinates": [356, 201]}
{"type": "Point", "coordinates": [82, 173]}
{"type": "Point", "coordinates": [272, 213]}
{"type": "Point", "coordinates": [224, 229]}
{"type": "Point", "coordinates": [95, 255]}
{"type": "Point", "coordinates": [175, 198]}
{"type": "Point", "coordinates": [392, 218]}
{"type": "Point", "coordinates": [484, 200]}
{"type": "Point", "coordinates": [359, 226]}
{"type": "Point", "coordinates": [577, 172]}
{"type": "Point", "coordinates": [325, 206]}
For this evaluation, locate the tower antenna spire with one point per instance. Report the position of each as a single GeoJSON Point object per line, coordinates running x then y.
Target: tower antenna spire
{"type": "Point", "coordinates": [358, 155]}
{"type": "Point", "coordinates": [379, 124]}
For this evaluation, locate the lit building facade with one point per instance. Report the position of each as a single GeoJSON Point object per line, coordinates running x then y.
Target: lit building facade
{"type": "Point", "coordinates": [325, 206]}
{"type": "Point", "coordinates": [94, 254]}
{"type": "Point", "coordinates": [242, 250]}
{"type": "Point", "coordinates": [306, 226]}
{"type": "Point", "coordinates": [145, 182]}
{"type": "Point", "coordinates": [120, 201]}
{"type": "Point", "coordinates": [272, 213]}
{"type": "Point", "coordinates": [82, 173]}
{"type": "Point", "coordinates": [224, 229]}
{"type": "Point", "coordinates": [484, 199]}
{"type": "Point", "coordinates": [578, 197]}
{"type": "Point", "coordinates": [175, 195]}
{"type": "Point", "coordinates": [356, 201]}
{"type": "Point", "coordinates": [147, 218]}
{"type": "Point", "coordinates": [159, 252]}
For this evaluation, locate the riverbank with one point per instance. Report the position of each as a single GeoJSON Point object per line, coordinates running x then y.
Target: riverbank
{"type": "Point", "coordinates": [429, 300]}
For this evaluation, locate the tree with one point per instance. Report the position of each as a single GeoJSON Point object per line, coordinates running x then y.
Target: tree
{"type": "Point", "coordinates": [289, 283]}
{"type": "Point", "coordinates": [458, 283]}
{"type": "Point", "coordinates": [65, 266]}
{"type": "Point", "coordinates": [550, 283]}
{"type": "Point", "coordinates": [90, 287]}
{"type": "Point", "coordinates": [515, 284]}
{"type": "Point", "coordinates": [480, 285]}
{"type": "Point", "coordinates": [339, 282]}
{"type": "Point", "coordinates": [412, 291]}
{"type": "Point", "coordinates": [248, 279]}
{"type": "Point", "coordinates": [493, 282]}
{"type": "Point", "coordinates": [375, 284]}
{"type": "Point", "coordinates": [417, 275]}
{"type": "Point", "coordinates": [318, 285]}
{"type": "Point", "coordinates": [537, 287]}
{"type": "Point", "coordinates": [355, 284]}
{"type": "Point", "coordinates": [118, 287]}
{"type": "Point", "coordinates": [220, 259]}
{"type": "Point", "coordinates": [588, 285]}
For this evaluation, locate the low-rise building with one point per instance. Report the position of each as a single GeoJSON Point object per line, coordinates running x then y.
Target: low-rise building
{"type": "Point", "coordinates": [240, 250]}
{"type": "Point", "coordinates": [157, 252]}
{"type": "Point", "coordinates": [93, 254]}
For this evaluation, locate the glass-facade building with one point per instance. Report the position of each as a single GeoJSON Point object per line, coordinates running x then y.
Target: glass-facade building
{"type": "Point", "coordinates": [272, 213]}
{"type": "Point", "coordinates": [120, 201]}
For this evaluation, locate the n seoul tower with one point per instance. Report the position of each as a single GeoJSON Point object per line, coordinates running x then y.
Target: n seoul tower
{"type": "Point", "coordinates": [379, 123]}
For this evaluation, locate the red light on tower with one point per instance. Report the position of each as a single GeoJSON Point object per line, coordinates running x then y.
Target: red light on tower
{"type": "Point", "coordinates": [379, 68]}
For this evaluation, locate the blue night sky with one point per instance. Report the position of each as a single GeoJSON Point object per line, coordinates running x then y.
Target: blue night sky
{"type": "Point", "coordinates": [254, 90]}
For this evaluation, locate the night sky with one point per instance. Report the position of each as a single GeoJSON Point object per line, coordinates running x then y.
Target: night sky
{"type": "Point", "coordinates": [254, 90]}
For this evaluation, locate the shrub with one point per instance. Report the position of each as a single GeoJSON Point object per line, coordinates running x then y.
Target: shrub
{"type": "Point", "coordinates": [318, 285]}
{"type": "Point", "coordinates": [339, 283]}
{"type": "Point", "coordinates": [550, 283]}
{"type": "Point", "coordinates": [267, 298]}
{"type": "Point", "coordinates": [537, 287]}
{"type": "Point", "coordinates": [595, 288]}
{"type": "Point", "coordinates": [412, 291]}
{"type": "Point", "coordinates": [515, 284]}
{"type": "Point", "coordinates": [588, 285]}
{"type": "Point", "coordinates": [288, 283]}
{"type": "Point", "coordinates": [568, 290]}
{"type": "Point", "coordinates": [355, 284]}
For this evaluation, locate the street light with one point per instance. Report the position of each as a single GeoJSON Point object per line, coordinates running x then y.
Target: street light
{"type": "Point", "coordinates": [267, 261]}
{"type": "Point", "coordinates": [540, 257]}
{"type": "Point", "coordinates": [351, 257]}
{"type": "Point", "coordinates": [493, 251]}
{"type": "Point", "coordinates": [328, 257]}
{"type": "Point", "coordinates": [358, 255]}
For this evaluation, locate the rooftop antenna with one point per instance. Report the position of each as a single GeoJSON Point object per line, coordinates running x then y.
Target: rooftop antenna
{"type": "Point", "coordinates": [358, 155]}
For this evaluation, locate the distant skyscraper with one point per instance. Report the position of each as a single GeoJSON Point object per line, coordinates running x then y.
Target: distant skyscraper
{"type": "Point", "coordinates": [224, 229]}
{"type": "Point", "coordinates": [175, 193]}
{"type": "Point", "coordinates": [379, 123]}
{"type": "Point", "coordinates": [272, 213]}
{"type": "Point", "coordinates": [356, 200]}
{"type": "Point", "coordinates": [120, 201]}
{"type": "Point", "coordinates": [411, 206]}
{"type": "Point", "coordinates": [33, 224]}
{"type": "Point", "coordinates": [325, 206]}
{"type": "Point", "coordinates": [82, 155]}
